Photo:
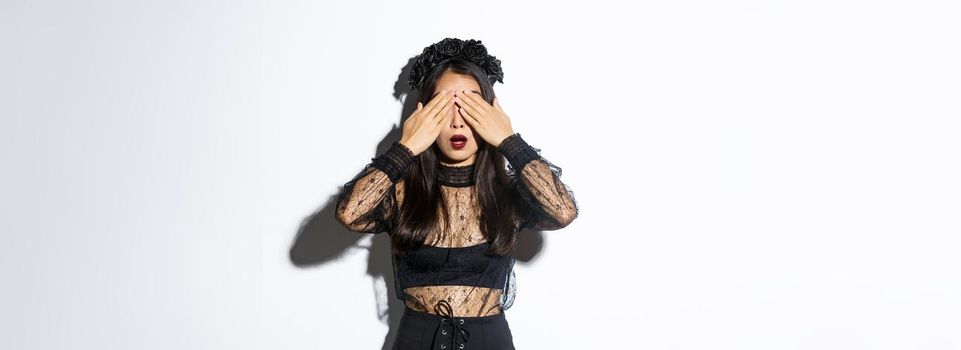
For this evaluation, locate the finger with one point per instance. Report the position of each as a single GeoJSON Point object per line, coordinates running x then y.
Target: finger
{"type": "Point", "coordinates": [438, 99]}
{"type": "Point", "coordinates": [430, 103]}
{"type": "Point", "coordinates": [440, 110]}
{"type": "Point", "coordinates": [434, 101]}
{"type": "Point", "coordinates": [471, 107]}
{"type": "Point", "coordinates": [448, 117]}
{"type": "Point", "coordinates": [419, 106]}
{"type": "Point", "coordinates": [479, 103]}
{"type": "Point", "coordinates": [444, 121]}
{"type": "Point", "coordinates": [467, 117]}
{"type": "Point", "coordinates": [445, 113]}
{"type": "Point", "coordinates": [497, 104]}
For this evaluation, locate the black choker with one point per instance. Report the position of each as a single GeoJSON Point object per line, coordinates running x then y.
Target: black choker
{"type": "Point", "coordinates": [455, 176]}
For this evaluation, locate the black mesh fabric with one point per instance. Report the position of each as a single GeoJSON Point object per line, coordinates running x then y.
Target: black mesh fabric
{"type": "Point", "coordinates": [452, 265]}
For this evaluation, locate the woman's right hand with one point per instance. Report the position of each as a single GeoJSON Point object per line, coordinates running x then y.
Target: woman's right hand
{"type": "Point", "coordinates": [424, 125]}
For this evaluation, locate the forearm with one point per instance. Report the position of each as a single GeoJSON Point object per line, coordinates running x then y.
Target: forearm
{"type": "Point", "coordinates": [360, 204]}
{"type": "Point", "coordinates": [539, 182]}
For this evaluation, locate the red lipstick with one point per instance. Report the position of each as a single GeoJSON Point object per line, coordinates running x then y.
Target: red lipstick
{"type": "Point", "coordinates": [458, 141]}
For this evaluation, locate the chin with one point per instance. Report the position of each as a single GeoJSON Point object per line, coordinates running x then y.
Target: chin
{"type": "Point", "coordinates": [459, 155]}
{"type": "Point", "coordinates": [462, 154]}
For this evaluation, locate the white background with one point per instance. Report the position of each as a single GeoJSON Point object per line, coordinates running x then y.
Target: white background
{"type": "Point", "coordinates": [750, 174]}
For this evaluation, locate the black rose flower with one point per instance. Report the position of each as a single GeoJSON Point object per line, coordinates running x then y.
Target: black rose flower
{"type": "Point", "coordinates": [474, 51]}
{"type": "Point", "coordinates": [470, 50]}
{"type": "Point", "coordinates": [416, 76]}
{"type": "Point", "coordinates": [494, 69]}
{"type": "Point", "coordinates": [449, 47]}
{"type": "Point", "coordinates": [428, 58]}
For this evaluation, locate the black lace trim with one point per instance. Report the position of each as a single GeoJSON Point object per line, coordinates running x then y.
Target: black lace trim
{"type": "Point", "coordinates": [517, 151]}
{"type": "Point", "coordinates": [395, 161]}
{"type": "Point", "coordinates": [455, 176]}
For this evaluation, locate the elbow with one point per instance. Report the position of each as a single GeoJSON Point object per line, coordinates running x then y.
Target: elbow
{"type": "Point", "coordinates": [567, 216]}
{"type": "Point", "coordinates": [356, 224]}
{"type": "Point", "coordinates": [563, 214]}
{"type": "Point", "coordinates": [345, 219]}
{"type": "Point", "coordinates": [350, 225]}
{"type": "Point", "coordinates": [566, 219]}
{"type": "Point", "coordinates": [557, 221]}
{"type": "Point", "coordinates": [342, 219]}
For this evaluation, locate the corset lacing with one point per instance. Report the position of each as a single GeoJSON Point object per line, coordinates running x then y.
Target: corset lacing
{"type": "Point", "coordinates": [450, 326]}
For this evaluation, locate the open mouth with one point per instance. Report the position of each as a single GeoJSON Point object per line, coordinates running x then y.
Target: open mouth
{"type": "Point", "coordinates": [458, 141]}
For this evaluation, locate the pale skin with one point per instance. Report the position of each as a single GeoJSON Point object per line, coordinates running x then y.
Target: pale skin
{"type": "Point", "coordinates": [457, 107]}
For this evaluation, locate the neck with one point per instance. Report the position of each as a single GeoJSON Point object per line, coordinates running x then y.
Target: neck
{"type": "Point", "coordinates": [456, 175]}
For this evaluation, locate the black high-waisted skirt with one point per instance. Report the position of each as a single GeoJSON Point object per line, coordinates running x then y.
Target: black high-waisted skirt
{"type": "Point", "coordinates": [419, 330]}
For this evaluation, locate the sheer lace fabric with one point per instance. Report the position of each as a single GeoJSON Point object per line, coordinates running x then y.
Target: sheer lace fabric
{"type": "Point", "coordinates": [452, 265]}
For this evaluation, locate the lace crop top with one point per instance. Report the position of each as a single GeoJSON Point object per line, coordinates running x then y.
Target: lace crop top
{"type": "Point", "coordinates": [451, 269]}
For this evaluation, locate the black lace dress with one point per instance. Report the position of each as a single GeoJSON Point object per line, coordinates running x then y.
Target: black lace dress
{"type": "Point", "coordinates": [451, 274]}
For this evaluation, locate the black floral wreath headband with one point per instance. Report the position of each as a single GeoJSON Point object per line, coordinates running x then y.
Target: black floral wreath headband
{"type": "Point", "coordinates": [470, 50]}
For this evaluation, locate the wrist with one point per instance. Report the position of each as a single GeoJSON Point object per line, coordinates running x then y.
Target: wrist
{"type": "Point", "coordinates": [395, 161]}
{"type": "Point", "coordinates": [406, 144]}
{"type": "Point", "coordinates": [502, 140]}
{"type": "Point", "coordinates": [517, 151]}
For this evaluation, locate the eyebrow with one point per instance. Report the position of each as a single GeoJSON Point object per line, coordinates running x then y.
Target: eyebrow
{"type": "Point", "coordinates": [435, 93]}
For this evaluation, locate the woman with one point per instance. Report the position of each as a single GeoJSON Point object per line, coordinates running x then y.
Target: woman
{"type": "Point", "coordinates": [451, 205]}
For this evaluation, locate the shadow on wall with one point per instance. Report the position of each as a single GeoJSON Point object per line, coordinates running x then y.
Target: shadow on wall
{"type": "Point", "coordinates": [322, 239]}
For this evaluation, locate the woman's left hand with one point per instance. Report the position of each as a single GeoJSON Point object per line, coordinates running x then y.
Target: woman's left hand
{"type": "Point", "coordinates": [490, 121]}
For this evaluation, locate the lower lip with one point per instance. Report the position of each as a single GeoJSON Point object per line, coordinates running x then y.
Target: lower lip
{"type": "Point", "coordinates": [458, 144]}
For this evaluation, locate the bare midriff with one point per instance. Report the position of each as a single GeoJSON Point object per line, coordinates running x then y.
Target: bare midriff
{"type": "Point", "coordinates": [466, 301]}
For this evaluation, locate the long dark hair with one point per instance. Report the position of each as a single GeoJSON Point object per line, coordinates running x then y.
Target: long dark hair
{"type": "Point", "coordinates": [499, 209]}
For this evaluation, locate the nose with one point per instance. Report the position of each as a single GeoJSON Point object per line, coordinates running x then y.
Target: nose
{"type": "Point", "coordinates": [457, 122]}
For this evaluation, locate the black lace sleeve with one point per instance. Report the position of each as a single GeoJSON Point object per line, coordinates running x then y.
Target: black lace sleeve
{"type": "Point", "coordinates": [537, 181]}
{"type": "Point", "coordinates": [366, 203]}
